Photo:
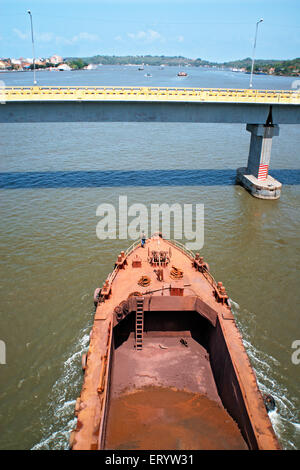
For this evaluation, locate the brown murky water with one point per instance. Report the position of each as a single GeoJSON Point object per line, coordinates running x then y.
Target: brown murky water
{"type": "Point", "coordinates": [52, 179]}
{"type": "Point", "coordinates": [157, 418]}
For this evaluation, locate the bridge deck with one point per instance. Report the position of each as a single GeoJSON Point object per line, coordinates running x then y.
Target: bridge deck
{"type": "Point", "coordinates": [148, 94]}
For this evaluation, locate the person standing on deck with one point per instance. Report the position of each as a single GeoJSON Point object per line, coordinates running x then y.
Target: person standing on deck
{"type": "Point", "coordinates": [143, 239]}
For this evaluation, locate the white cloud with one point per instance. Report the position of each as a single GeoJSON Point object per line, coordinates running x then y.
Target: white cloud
{"type": "Point", "coordinates": [75, 39]}
{"type": "Point", "coordinates": [85, 37]}
{"type": "Point", "coordinates": [20, 34]}
{"type": "Point", "coordinates": [48, 37]}
{"type": "Point", "coordinates": [45, 37]}
{"type": "Point", "coordinates": [180, 38]}
{"type": "Point", "coordinates": [146, 36]}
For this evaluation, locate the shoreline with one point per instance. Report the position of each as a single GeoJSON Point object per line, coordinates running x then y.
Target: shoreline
{"type": "Point", "coordinates": [217, 69]}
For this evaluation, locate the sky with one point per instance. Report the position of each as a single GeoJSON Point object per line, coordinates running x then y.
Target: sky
{"type": "Point", "coordinates": [215, 30]}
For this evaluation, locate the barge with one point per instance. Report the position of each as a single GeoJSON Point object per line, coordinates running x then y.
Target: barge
{"type": "Point", "coordinates": [166, 367]}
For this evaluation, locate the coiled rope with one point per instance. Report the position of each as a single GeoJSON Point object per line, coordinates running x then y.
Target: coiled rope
{"type": "Point", "coordinates": [176, 273]}
{"type": "Point", "coordinates": [144, 281]}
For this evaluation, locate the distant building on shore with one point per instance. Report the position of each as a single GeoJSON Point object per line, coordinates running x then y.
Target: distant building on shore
{"type": "Point", "coordinates": [55, 59]}
{"type": "Point", "coordinates": [26, 65]}
{"type": "Point", "coordinates": [91, 67]}
{"type": "Point", "coordinates": [63, 67]}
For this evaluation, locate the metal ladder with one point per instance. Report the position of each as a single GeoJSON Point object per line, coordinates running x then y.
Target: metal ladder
{"type": "Point", "coordinates": [139, 323]}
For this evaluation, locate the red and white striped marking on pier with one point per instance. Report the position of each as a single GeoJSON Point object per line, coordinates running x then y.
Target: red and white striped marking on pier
{"type": "Point", "coordinates": [263, 172]}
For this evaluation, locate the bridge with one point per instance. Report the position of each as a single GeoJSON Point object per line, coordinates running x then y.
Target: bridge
{"type": "Point", "coordinates": [261, 110]}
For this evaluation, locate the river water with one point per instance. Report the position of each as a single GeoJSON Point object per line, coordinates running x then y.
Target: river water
{"type": "Point", "coordinates": [52, 179]}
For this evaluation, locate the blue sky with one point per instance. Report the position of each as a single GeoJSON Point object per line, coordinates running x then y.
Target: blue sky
{"type": "Point", "coordinates": [217, 30]}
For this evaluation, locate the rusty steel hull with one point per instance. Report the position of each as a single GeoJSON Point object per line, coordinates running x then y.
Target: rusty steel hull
{"type": "Point", "coordinates": [151, 386]}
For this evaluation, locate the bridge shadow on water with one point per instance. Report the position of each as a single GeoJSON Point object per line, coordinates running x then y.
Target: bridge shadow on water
{"type": "Point", "coordinates": [118, 178]}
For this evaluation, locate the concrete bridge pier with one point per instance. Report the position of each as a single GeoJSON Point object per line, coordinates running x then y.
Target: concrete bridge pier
{"type": "Point", "coordinates": [255, 177]}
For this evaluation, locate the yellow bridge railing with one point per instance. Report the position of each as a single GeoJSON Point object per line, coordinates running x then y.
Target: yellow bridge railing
{"type": "Point", "coordinates": [154, 94]}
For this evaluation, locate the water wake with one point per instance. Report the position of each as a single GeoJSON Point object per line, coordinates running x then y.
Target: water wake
{"type": "Point", "coordinates": [284, 417]}
{"type": "Point", "coordinates": [62, 401]}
